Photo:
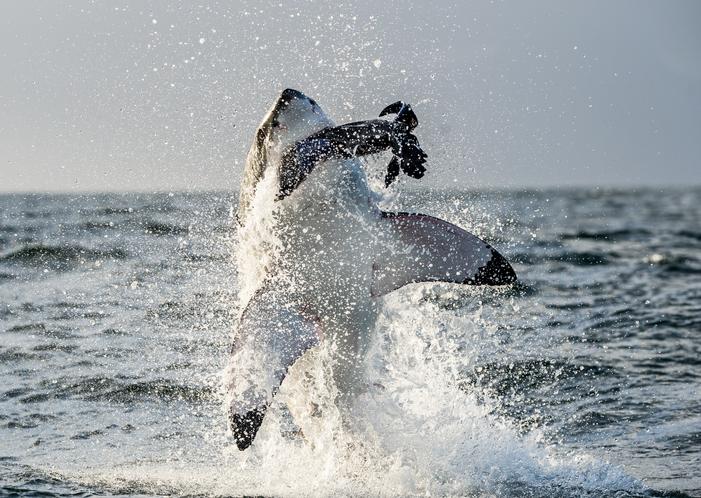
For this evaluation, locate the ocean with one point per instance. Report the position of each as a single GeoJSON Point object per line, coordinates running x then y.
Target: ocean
{"type": "Point", "coordinates": [583, 379]}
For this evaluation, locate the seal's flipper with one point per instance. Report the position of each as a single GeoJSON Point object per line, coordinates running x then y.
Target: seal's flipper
{"type": "Point", "coordinates": [427, 249]}
{"type": "Point", "coordinates": [272, 335]}
{"type": "Point", "coordinates": [405, 114]}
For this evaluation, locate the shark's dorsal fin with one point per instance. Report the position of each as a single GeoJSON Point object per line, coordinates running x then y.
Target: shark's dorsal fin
{"type": "Point", "coordinates": [272, 334]}
{"type": "Point", "coordinates": [427, 249]}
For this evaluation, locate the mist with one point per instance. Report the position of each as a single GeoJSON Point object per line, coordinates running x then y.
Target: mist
{"type": "Point", "coordinates": [166, 96]}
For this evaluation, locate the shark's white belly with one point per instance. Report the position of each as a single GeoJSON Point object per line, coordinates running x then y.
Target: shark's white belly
{"type": "Point", "coordinates": [328, 232]}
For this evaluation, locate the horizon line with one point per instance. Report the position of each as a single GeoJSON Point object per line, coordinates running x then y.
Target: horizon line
{"type": "Point", "coordinates": [509, 189]}
{"type": "Point", "coordinates": [449, 188]}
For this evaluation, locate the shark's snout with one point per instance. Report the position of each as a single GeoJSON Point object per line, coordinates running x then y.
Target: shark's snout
{"type": "Point", "coordinates": [289, 94]}
{"type": "Point", "coordinates": [290, 102]}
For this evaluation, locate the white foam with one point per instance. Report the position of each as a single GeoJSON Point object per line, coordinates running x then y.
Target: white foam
{"type": "Point", "coordinates": [414, 432]}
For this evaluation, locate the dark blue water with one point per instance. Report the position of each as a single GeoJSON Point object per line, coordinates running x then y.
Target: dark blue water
{"type": "Point", "coordinates": [583, 379]}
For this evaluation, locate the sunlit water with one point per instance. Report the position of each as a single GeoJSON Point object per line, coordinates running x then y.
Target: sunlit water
{"type": "Point", "coordinates": [116, 313]}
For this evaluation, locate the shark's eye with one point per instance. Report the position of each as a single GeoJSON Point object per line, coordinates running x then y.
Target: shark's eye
{"type": "Point", "coordinates": [275, 123]}
{"type": "Point", "coordinates": [312, 102]}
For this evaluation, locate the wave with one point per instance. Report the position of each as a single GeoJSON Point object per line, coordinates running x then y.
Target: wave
{"type": "Point", "coordinates": [9, 229]}
{"type": "Point", "coordinates": [524, 389]}
{"type": "Point", "coordinates": [199, 258]}
{"type": "Point", "coordinates": [576, 258]}
{"type": "Point", "coordinates": [674, 263]}
{"type": "Point", "coordinates": [110, 211]}
{"type": "Point", "coordinates": [113, 390]}
{"type": "Point", "coordinates": [29, 421]}
{"type": "Point", "coordinates": [160, 390]}
{"type": "Point", "coordinates": [504, 378]}
{"type": "Point", "coordinates": [609, 235]}
{"type": "Point", "coordinates": [97, 225]}
{"type": "Point", "coordinates": [42, 330]}
{"type": "Point", "coordinates": [58, 257]}
{"type": "Point", "coordinates": [14, 355]}
{"type": "Point", "coordinates": [156, 228]}
{"type": "Point", "coordinates": [689, 234]}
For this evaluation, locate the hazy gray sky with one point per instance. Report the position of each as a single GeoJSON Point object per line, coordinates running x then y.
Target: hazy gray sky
{"type": "Point", "coordinates": [142, 95]}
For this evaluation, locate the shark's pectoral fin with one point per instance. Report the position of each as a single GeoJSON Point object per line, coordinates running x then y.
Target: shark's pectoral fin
{"type": "Point", "coordinates": [422, 248]}
{"type": "Point", "coordinates": [272, 335]}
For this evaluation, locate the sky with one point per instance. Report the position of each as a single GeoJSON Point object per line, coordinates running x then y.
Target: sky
{"type": "Point", "coordinates": [158, 95]}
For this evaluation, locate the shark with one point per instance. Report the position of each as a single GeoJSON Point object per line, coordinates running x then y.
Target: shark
{"type": "Point", "coordinates": [316, 253]}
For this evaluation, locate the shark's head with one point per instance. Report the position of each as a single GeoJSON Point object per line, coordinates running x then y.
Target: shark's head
{"type": "Point", "coordinates": [292, 117]}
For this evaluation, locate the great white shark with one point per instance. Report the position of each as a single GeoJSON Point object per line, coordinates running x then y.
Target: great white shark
{"type": "Point", "coordinates": [316, 254]}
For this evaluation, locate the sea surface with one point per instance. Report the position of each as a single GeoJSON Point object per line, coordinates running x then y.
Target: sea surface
{"type": "Point", "coordinates": [584, 379]}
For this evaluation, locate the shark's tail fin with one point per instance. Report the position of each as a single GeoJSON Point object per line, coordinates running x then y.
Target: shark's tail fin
{"type": "Point", "coordinates": [272, 335]}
